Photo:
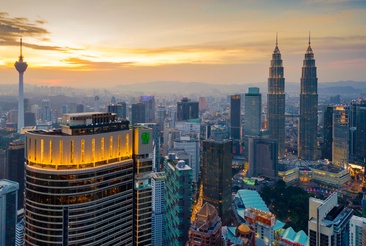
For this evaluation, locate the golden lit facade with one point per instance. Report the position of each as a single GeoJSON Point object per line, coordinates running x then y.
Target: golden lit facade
{"type": "Point", "coordinates": [79, 183]}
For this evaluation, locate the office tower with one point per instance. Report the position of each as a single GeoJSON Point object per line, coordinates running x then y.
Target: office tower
{"type": "Point", "coordinates": [202, 104]}
{"type": "Point", "coordinates": [235, 117]}
{"type": "Point", "coordinates": [142, 147]}
{"type": "Point", "coordinates": [46, 110]}
{"type": "Point", "coordinates": [161, 115]}
{"type": "Point", "coordinates": [308, 121]}
{"type": "Point", "coordinates": [335, 99]}
{"type": "Point", "coordinates": [276, 101]}
{"type": "Point", "coordinates": [82, 182]}
{"type": "Point", "coordinates": [216, 176]}
{"type": "Point", "coordinates": [158, 190]}
{"type": "Point", "coordinates": [358, 127]}
{"type": "Point", "coordinates": [138, 113]}
{"type": "Point", "coordinates": [357, 231]}
{"type": "Point", "coordinates": [96, 104]}
{"type": "Point", "coordinates": [80, 108]}
{"type": "Point", "coordinates": [235, 124]}
{"type": "Point", "coordinates": [29, 119]}
{"type": "Point", "coordinates": [263, 222]}
{"type": "Point", "coordinates": [328, 133]}
{"type": "Point", "coordinates": [340, 145]}
{"type": "Point", "coordinates": [328, 222]}
{"type": "Point", "coordinates": [15, 168]}
{"type": "Point", "coordinates": [263, 159]}
{"type": "Point", "coordinates": [120, 109]}
{"type": "Point", "coordinates": [172, 116]}
{"type": "Point", "coordinates": [8, 211]}
{"type": "Point", "coordinates": [187, 109]}
{"type": "Point", "coordinates": [253, 110]}
{"type": "Point", "coordinates": [190, 127]}
{"type": "Point", "coordinates": [21, 67]}
{"type": "Point", "coordinates": [155, 137]}
{"type": "Point", "coordinates": [149, 102]}
{"type": "Point", "coordinates": [191, 146]}
{"type": "Point", "coordinates": [178, 201]}
{"type": "Point", "coordinates": [206, 228]}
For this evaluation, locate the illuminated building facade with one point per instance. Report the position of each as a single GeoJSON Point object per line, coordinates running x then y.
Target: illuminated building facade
{"type": "Point", "coordinates": [276, 101]}
{"type": "Point", "coordinates": [253, 110]}
{"type": "Point", "coordinates": [216, 176]}
{"type": "Point", "coordinates": [308, 121]}
{"type": "Point", "coordinates": [178, 201]}
{"type": "Point", "coordinates": [206, 228]}
{"type": "Point", "coordinates": [262, 223]}
{"type": "Point", "coordinates": [79, 182]}
{"type": "Point", "coordinates": [142, 147]}
{"type": "Point", "coordinates": [340, 144]}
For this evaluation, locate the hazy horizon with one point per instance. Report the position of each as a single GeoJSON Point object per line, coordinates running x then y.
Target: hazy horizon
{"type": "Point", "coordinates": [121, 42]}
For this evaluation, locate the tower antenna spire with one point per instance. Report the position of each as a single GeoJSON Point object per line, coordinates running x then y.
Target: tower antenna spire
{"type": "Point", "coordinates": [276, 38]}
{"type": "Point", "coordinates": [21, 49]}
{"type": "Point", "coordinates": [309, 38]}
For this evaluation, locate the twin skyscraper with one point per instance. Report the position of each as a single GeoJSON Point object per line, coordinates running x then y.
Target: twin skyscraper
{"type": "Point", "coordinates": [308, 112]}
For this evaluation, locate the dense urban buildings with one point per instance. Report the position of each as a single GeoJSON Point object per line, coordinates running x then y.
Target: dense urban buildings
{"type": "Point", "coordinates": [308, 128]}
{"type": "Point", "coordinates": [192, 147]}
{"type": "Point", "coordinates": [120, 109]}
{"type": "Point", "coordinates": [8, 211]}
{"type": "Point", "coordinates": [216, 176]}
{"type": "Point", "coordinates": [21, 67]}
{"type": "Point", "coordinates": [149, 102]}
{"type": "Point", "coordinates": [276, 101]}
{"type": "Point", "coordinates": [206, 228]}
{"type": "Point", "coordinates": [80, 182]}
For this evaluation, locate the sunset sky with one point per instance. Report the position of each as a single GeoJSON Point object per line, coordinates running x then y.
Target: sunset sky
{"type": "Point", "coordinates": [113, 42]}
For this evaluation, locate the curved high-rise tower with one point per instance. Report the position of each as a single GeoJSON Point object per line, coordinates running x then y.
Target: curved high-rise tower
{"type": "Point", "coordinates": [276, 100]}
{"type": "Point", "coordinates": [21, 66]}
{"type": "Point", "coordinates": [307, 141]}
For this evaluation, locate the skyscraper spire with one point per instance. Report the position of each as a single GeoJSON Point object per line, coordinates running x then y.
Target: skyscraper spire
{"type": "Point", "coordinates": [307, 142]}
{"type": "Point", "coordinates": [276, 100]}
{"type": "Point", "coordinates": [21, 49]}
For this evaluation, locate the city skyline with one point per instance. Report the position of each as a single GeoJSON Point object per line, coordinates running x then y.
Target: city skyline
{"type": "Point", "coordinates": [119, 42]}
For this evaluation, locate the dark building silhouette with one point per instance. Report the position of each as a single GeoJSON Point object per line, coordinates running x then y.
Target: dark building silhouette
{"type": "Point", "coordinates": [263, 159]}
{"type": "Point", "coordinates": [15, 168]}
{"type": "Point", "coordinates": [358, 129]}
{"type": "Point", "coordinates": [235, 124]}
{"type": "Point", "coordinates": [79, 108]}
{"type": "Point", "coordinates": [29, 119]}
{"type": "Point", "coordinates": [149, 102]}
{"type": "Point", "coordinates": [187, 109]}
{"type": "Point", "coordinates": [308, 121]}
{"type": "Point", "coordinates": [328, 133]}
{"type": "Point", "coordinates": [216, 176]}
{"type": "Point", "coordinates": [206, 228]}
{"type": "Point", "coordinates": [138, 113]}
{"type": "Point", "coordinates": [276, 101]}
{"type": "Point", "coordinates": [119, 109]}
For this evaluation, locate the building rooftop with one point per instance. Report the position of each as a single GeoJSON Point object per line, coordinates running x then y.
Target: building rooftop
{"type": "Point", "coordinates": [295, 237]}
{"type": "Point", "coordinates": [251, 199]}
{"type": "Point", "coordinates": [328, 168]}
{"type": "Point", "coordinates": [8, 186]}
